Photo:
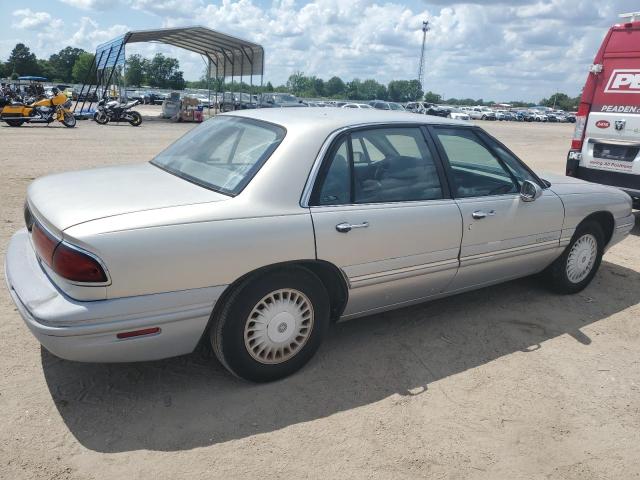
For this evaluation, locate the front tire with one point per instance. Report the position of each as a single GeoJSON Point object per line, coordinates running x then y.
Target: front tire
{"type": "Point", "coordinates": [101, 118]}
{"type": "Point", "coordinates": [69, 120]}
{"type": "Point", "coordinates": [14, 123]}
{"type": "Point", "coordinates": [579, 263]}
{"type": "Point", "coordinates": [271, 325]}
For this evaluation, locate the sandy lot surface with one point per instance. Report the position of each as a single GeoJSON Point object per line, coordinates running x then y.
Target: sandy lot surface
{"type": "Point", "coordinates": [509, 382]}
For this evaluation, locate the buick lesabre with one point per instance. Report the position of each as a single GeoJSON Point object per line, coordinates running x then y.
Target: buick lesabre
{"type": "Point", "coordinates": [259, 228]}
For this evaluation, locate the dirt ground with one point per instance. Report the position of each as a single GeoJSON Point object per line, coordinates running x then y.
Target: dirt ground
{"type": "Point", "coordinates": [510, 382]}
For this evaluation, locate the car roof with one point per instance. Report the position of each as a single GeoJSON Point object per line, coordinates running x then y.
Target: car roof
{"type": "Point", "coordinates": [330, 118]}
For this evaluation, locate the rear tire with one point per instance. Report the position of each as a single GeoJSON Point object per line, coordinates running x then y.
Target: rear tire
{"type": "Point", "coordinates": [14, 123]}
{"type": "Point", "coordinates": [271, 325]}
{"type": "Point", "coordinates": [579, 263]}
{"type": "Point", "coordinates": [136, 120]}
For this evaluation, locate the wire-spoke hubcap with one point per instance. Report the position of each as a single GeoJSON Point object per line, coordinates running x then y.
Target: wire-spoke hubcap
{"type": "Point", "coordinates": [582, 258]}
{"type": "Point", "coordinates": [278, 326]}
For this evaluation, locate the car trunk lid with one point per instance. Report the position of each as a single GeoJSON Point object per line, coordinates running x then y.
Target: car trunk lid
{"type": "Point", "coordinates": [71, 198]}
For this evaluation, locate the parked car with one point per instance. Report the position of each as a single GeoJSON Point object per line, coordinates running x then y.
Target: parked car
{"type": "Point", "coordinates": [505, 115]}
{"type": "Point", "coordinates": [605, 147]}
{"type": "Point", "coordinates": [380, 105]}
{"type": "Point", "coordinates": [524, 116]}
{"type": "Point", "coordinates": [538, 116]}
{"type": "Point", "coordinates": [415, 107]}
{"type": "Point", "coordinates": [482, 113]}
{"type": "Point", "coordinates": [459, 114]}
{"type": "Point", "coordinates": [238, 101]}
{"type": "Point", "coordinates": [356, 105]}
{"type": "Point", "coordinates": [436, 110]}
{"type": "Point", "coordinates": [280, 100]}
{"type": "Point", "coordinates": [246, 237]}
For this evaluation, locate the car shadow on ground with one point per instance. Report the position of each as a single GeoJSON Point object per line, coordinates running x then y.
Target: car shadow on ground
{"type": "Point", "coordinates": [191, 401]}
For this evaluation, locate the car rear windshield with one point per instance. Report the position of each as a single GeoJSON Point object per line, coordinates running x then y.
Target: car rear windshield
{"type": "Point", "coordinates": [223, 153]}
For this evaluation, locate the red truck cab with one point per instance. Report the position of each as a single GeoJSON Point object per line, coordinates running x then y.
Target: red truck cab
{"type": "Point", "coordinates": [606, 143]}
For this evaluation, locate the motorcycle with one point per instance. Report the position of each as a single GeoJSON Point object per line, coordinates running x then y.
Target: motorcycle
{"type": "Point", "coordinates": [46, 110]}
{"type": "Point", "coordinates": [115, 111]}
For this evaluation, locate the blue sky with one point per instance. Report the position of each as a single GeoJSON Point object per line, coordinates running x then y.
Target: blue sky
{"type": "Point", "coordinates": [523, 49]}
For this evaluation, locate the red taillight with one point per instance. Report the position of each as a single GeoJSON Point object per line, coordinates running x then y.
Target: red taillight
{"type": "Point", "coordinates": [581, 123]}
{"type": "Point", "coordinates": [138, 333]}
{"type": "Point", "coordinates": [44, 243]}
{"type": "Point", "coordinates": [77, 266]}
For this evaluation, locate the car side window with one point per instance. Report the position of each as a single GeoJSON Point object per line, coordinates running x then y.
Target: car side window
{"type": "Point", "coordinates": [512, 163]}
{"type": "Point", "coordinates": [402, 169]}
{"type": "Point", "coordinates": [336, 184]}
{"type": "Point", "coordinates": [476, 171]}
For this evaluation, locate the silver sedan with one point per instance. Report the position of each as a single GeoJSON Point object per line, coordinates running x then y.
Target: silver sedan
{"type": "Point", "coordinates": [259, 228]}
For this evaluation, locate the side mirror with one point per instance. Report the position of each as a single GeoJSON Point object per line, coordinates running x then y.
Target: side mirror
{"type": "Point", "coordinates": [530, 191]}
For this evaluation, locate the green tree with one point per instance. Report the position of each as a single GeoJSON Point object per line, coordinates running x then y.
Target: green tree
{"type": "Point", "coordinates": [4, 70]}
{"type": "Point", "coordinates": [353, 89]}
{"type": "Point", "coordinates": [435, 98]}
{"type": "Point", "coordinates": [135, 74]}
{"type": "Point", "coordinates": [372, 90]}
{"type": "Point", "coordinates": [561, 101]}
{"type": "Point", "coordinates": [269, 87]}
{"type": "Point", "coordinates": [46, 70]}
{"type": "Point", "coordinates": [414, 91]}
{"type": "Point", "coordinates": [176, 80]}
{"type": "Point", "coordinates": [397, 90]}
{"type": "Point", "coordinates": [298, 83]}
{"type": "Point", "coordinates": [318, 86]}
{"type": "Point", "coordinates": [62, 63]}
{"type": "Point", "coordinates": [162, 71]}
{"type": "Point", "coordinates": [335, 87]}
{"type": "Point", "coordinates": [22, 61]}
{"type": "Point", "coordinates": [82, 68]}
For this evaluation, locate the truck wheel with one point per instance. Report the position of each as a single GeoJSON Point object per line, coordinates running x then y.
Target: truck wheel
{"type": "Point", "coordinates": [578, 264]}
{"type": "Point", "coordinates": [270, 326]}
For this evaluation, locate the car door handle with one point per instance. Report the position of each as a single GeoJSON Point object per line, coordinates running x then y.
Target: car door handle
{"type": "Point", "coordinates": [479, 214]}
{"type": "Point", "coordinates": [347, 227]}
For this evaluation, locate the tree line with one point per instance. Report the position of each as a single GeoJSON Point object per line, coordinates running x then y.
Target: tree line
{"type": "Point", "coordinates": [71, 65]}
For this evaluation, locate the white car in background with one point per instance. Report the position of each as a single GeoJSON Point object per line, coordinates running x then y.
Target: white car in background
{"type": "Point", "coordinates": [538, 116]}
{"type": "Point", "coordinates": [482, 113]}
{"type": "Point", "coordinates": [457, 114]}
{"type": "Point", "coordinates": [356, 105]}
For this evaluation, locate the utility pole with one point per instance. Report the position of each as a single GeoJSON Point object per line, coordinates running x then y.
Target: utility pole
{"type": "Point", "coordinates": [425, 29]}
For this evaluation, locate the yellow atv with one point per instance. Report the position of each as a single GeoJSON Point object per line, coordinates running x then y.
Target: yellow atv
{"type": "Point", "coordinates": [45, 110]}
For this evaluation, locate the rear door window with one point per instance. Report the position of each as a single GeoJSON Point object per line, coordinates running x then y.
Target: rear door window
{"type": "Point", "coordinates": [378, 166]}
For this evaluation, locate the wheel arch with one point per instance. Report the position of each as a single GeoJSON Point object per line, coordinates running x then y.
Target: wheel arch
{"type": "Point", "coordinates": [329, 275]}
{"type": "Point", "coordinates": [605, 220]}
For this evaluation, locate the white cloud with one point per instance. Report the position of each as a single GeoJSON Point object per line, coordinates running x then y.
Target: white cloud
{"type": "Point", "coordinates": [495, 49]}
{"type": "Point", "coordinates": [27, 19]}
{"type": "Point", "coordinates": [92, 4]}
{"type": "Point", "coordinates": [89, 34]}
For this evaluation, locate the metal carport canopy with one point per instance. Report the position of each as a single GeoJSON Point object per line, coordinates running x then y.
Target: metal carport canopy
{"type": "Point", "coordinates": [229, 56]}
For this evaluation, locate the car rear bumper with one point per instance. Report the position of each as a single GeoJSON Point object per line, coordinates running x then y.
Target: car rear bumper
{"type": "Point", "coordinates": [86, 331]}
{"type": "Point", "coordinates": [627, 182]}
